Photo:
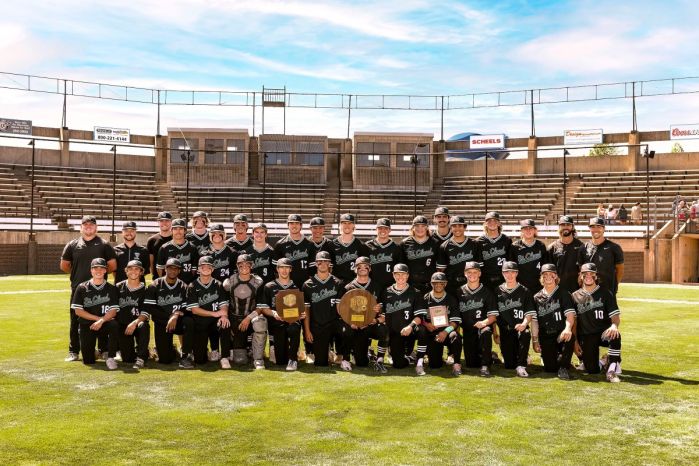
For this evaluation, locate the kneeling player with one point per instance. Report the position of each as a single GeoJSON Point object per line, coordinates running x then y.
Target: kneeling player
{"type": "Point", "coordinates": [515, 312]}
{"type": "Point", "coordinates": [96, 303]}
{"type": "Point", "coordinates": [403, 306]}
{"type": "Point", "coordinates": [166, 302]}
{"type": "Point", "coordinates": [478, 309]}
{"type": "Point", "coordinates": [284, 336]}
{"type": "Point", "coordinates": [439, 334]}
{"type": "Point", "coordinates": [552, 326]}
{"type": "Point", "coordinates": [132, 317]}
{"type": "Point", "coordinates": [598, 323]}
{"type": "Point", "coordinates": [208, 303]}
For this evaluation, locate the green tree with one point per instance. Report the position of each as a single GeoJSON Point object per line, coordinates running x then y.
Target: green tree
{"type": "Point", "coordinates": [676, 148]}
{"type": "Point", "coordinates": [600, 150]}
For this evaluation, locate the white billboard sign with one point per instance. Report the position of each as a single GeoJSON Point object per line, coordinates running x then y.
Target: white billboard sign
{"type": "Point", "coordinates": [582, 137]}
{"type": "Point", "coordinates": [684, 131]}
{"type": "Point", "coordinates": [112, 134]}
{"type": "Point", "coordinates": [487, 141]}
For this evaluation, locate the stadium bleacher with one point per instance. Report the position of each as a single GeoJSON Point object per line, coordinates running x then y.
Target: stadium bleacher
{"type": "Point", "coordinates": [14, 201]}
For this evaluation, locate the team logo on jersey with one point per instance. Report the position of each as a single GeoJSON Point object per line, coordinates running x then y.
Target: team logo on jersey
{"type": "Point", "coordinates": [471, 305]}
{"type": "Point", "coordinates": [289, 300]}
{"type": "Point", "coordinates": [207, 298]}
{"type": "Point", "coordinates": [380, 258]}
{"type": "Point", "coordinates": [493, 252]}
{"type": "Point", "coordinates": [530, 256]}
{"type": "Point", "coordinates": [398, 305]}
{"type": "Point", "coordinates": [260, 262]}
{"type": "Point", "coordinates": [322, 295]}
{"type": "Point", "coordinates": [414, 254]}
{"type": "Point", "coordinates": [509, 304]}
{"type": "Point", "coordinates": [95, 300]}
{"type": "Point", "coordinates": [460, 257]}
{"type": "Point", "coordinates": [345, 257]}
{"type": "Point", "coordinates": [296, 254]}
{"type": "Point", "coordinates": [136, 255]}
{"type": "Point", "coordinates": [589, 305]}
{"type": "Point", "coordinates": [546, 308]}
{"type": "Point", "coordinates": [184, 257]}
{"type": "Point", "coordinates": [169, 299]}
{"type": "Point", "coordinates": [128, 301]}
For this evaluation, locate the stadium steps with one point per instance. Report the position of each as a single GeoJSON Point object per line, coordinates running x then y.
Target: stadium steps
{"type": "Point", "coordinates": [574, 183]}
{"type": "Point", "coordinates": [433, 198]}
{"type": "Point", "coordinates": [167, 198]}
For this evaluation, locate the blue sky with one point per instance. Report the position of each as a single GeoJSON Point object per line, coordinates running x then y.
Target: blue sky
{"type": "Point", "coordinates": [406, 47]}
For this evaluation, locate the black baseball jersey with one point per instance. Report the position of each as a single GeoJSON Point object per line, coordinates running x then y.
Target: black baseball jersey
{"type": "Point", "coordinates": [240, 246]}
{"type": "Point", "coordinates": [494, 251]}
{"type": "Point", "coordinates": [262, 262]}
{"type": "Point", "coordinates": [323, 245]}
{"type": "Point", "coordinates": [401, 306]}
{"type": "Point", "coordinates": [594, 310]}
{"type": "Point", "coordinates": [344, 255]}
{"type": "Point", "coordinates": [80, 254]}
{"type": "Point", "coordinates": [301, 253]}
{"type": "Point", "coordinates": [447, 300]}
{"type": "Point", "coordinates": [513, 305]}
{"type": "Point", "coordinates": [210, 297]}
{"type": "Point", "coordinates": [243, 295]}
{"type": "Point", "coordinates": [383, 257]}
{"type": "Point", "coordinates": [131, 302]}
{"type": "Point", "coordinates": [202, 243]}
{"type": "Point", "coordinates": [153, 245]}
{"type": "Point", "coordinates": [442, 238]}
{"type": "Point", "coordinates": [167, 298]}
{"type": "Point", "coordinates": [565, 257]}
{"type": "Point", "coordinates": [552, 310]}
{"type": "Point", "coordinates": [124, 254]}
{"type": "Point", "coordinates": [224, 262]}
{"type": "Point", "coordinates": [269, 293]}
{"type": "Point", "coordinates": [529, 258]}
{"type": "Point", "coordinates": [186, 253]}
{"type": "Point", "coordinates": [323, 297]}
{"type": "Point", "coordinates": [369, 286]}
{"type": "Point", "coordinates": [453, 257]}
{"type": "Point", "coordinates": [421, 258]}
{"type": "Point", "coordinates": [476, 305]}
{"type": "Point", "coordinates": [606, 256]}
{"type": "Point", "coordinates": [97, 300]}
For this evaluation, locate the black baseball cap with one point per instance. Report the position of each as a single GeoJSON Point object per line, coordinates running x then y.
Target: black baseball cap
{"type": "Point", "coordinates": [294, 218]}
{"type": "Point", "coordinates": [549, 268]}
{"type": "Point", "coordinates": [173, 262]}
{"type": "Point", "coordinates": [362, 260]}
{"type": "Point", "coordinates": [284, 262]}
{"type": "Point", "coordinates": [398, 268]}
{"type": "Point", "coordinates": [317, 221]}
{"type": "Point", "coordinates": [439, 277]}
{"type": "Point", "coordinates": [510, 265]}
{"type": "Point", "coordinates": [441, 211]}
{"type": "Point", "coordinates": [243, 258]}
{"type": "Point", "coordinates": [88, 219]}
{"type": "Point", "coordinates": [565, 219]}
{"type": "Point", "coordinates": [347, 218]}
{"type": "Point", "coordinates": [597, 221]}
{"type": "Point", "coordinates": [472, 265]}
{"type": "Point", "coordinates": [527, 222]}
{"type": "Point", "coordinates": [217, 228]}
{"type": "Point", "coordinates": [129, 226]}
{"type": "Point", "coordinates": [98, 262]}
{"type": "Point", "coordinates": [323, 256]}
{"type": "Point", "coordinates": [240, 218]}
{"type": "Point", "coordinates": [134, 263]}
{"type": "Point", "coordinates": [493, 214]}
{"type": "Point", "coordinates": [420, 220]}
{"type": "Point", "coordinates": [206, 260]}
{"type": "Point", "coordinates": [589, 267]}
{"type": "Point", "coordinates": [383, 222]}
{"type": "Point", "coordinates": [179, 223]}
{"type": "Point", "coordinates": [259, 225]}
{"type": "Point", "coordinates": [458, 220]}
{"type": "Point", "coordinates": [200, 213]}
{"type": "Point", "coordinates": [164, 216]}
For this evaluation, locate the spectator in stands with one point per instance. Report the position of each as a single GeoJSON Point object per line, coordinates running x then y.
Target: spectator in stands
{"type": "Point", "coordinates": [601, 211]}
{"type": "Point", "coordinates": [623, 215]}
{"type": "Point", "coordinates": [610, 215]}
{"type": "Point", "coordinates": [676, 202]}
{"type": "Point", "coordinates": [682, 211]}
{"type": "Point", "coordinates": [76, 259]}
{"type": "Point", "coordinates": [693, 211]}
{"type": "Point", "coordinates": [636, 214]}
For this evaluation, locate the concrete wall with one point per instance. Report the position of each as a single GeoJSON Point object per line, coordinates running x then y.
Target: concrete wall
{"type": "Point", "coordinates": [77, 159]}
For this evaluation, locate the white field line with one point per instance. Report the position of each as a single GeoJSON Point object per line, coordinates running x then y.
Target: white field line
{"type": "Point", "coordinates": [34, 291]}
{"type": "Point", "coordinates": [660, 301]}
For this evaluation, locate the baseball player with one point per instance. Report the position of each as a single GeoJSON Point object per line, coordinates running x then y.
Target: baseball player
{"type": "Point", "coordinates": [261, 254]}
{"type": "Point", "coordinates": [199, 235]}
{"type": "Point", "coordinates": [420, 250]}
{"type": "Point", "coordinates": [224, 257]}
{"type": "Point", "coordinates": [605, 254]}
{"type": "Point", "coordinates": [455, 252]}
{"type": "Point", "coordinates": [436, 336]}
{"type": "Point", "coordinates": [345, 250]}
{"type": "Point", "coordinates": [132, 316]}
{"type": "Point", "coordinates": [240, 241]}
{"type": "Point", "coordinates": [95, 303]}
{"type": "Point", "coordinates": [383, 254]}
{"type": "Point", "coordinates": [244, 291]}
{"type": "Point", "coordinates": [598, 320]}
{"type": "Point", "coordinates": [321, 243]}
{"type": "Point", "coordinates": [495, 246]}
{"type": "Point", "coordinates": [182, 250]}
{"type": "Point", "coordinates": [530, 254]}
{"type": "Point", "coordinates": [478, 308]}
{"type": "Point", "coordinates": [166, 303]}
{"type": "Point", "coordinates": [297, 249]}
{"type": "Point", "coordinates": [128, 250]}
{"type": "Point", "coordinates": [515, 312]}
{"type": "Point", "coordinates": [156, 241]}
{"type": "Point", "coordinates": [564, 253]}
{"type": "Point", "coordinates": [441, 232]}
{"type": "Point", "coordinates": [552, 326]}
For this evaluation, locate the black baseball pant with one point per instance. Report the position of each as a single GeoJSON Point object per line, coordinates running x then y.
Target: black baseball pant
{"type": "Point", "coordinates": [323, 335]}
{"type": "Point", "coordinates": [401, 347]}
{"type": "Point", "coordinates": [163, 338]}
{"type": "Point", "coordinates": [435, 349]}
{"type": "Point", "coordinates": [287, 338]}
{"type": "Point", "coordinates": [88, 339]}
{"type": "Point", "coordinates": [141, 338]}
{"type": "Point", "coordinates": [361, 339]}
{"type": "Point", "coordinates": [478, 346]}
{"type": "Point", "coordinates": [556, 354]}
{"type": "Point", "coordinates": [514, 346]}
{"type": "Point", "coordinates": [590, 345]}
{"type": "Point", "coordinates": [206, 328]}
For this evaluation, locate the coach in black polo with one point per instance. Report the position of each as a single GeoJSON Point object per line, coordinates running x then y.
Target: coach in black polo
{"type": "Point", "coordinates": [605, 254]}
{"type": "Point", "coordinates": [76, 259]}
{"type": "Point", "coordinates": [128, 250]}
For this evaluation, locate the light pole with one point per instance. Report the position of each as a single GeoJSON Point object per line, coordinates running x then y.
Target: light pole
{"type": "Point", "coordinates": [487, 154]}
{"type": "Point", "coordinates": [264, 183]}
{"type": "Point", "coordinates": [648, 155]}
{"type": "Point", "coordinates": [565, 181]}
{"type": "Point", "coordinates": [31, 196]}
{"type": "Point", "coordinates": [415, 161]}
{"type": "Point", "coordinates": [112, 238]}
{"type": "Point", "coordinates": [187, 157]}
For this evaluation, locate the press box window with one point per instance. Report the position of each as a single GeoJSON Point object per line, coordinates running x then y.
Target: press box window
{"type": "Point", "coordinates": [179, 148]}
{"type": "Point", "coordinates": [373, 154]}
{"type": "Point", "coordinates": [213, 152]}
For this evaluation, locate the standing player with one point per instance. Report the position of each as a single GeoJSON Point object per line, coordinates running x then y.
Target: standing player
{"type": "Point", "coordinates": [284, 336]}
{"type": "Point", "coordinates": [132, 316]}
{"type": "Point", "coordinates": [261, 254]}
{"type": "Point", "coordinates": [442, 232]}
{"type": "Point", "coordinates": [96, 302]}
{"type": "Point", "coordinates": [530, 254]}
{"type": "Point", "coordinates": [564, 253]}
{"type": "Point", "coordinates": [552, 327]}
{"type": "Point", "coordinates": [346, 248]}
{"type": "Point", "coordinates": [322, 293]}
{"type": "Point", "coordinates": [297, 249]}
{"type": "Point", "coordinates": [128, 250]}
{"type": "Point", "coordinates": [199, 236]}
{"type": "Point", "coordinates": [383, 254]}
{"type": "Point", "coordinates": [166, 303]}
{"type": "Point", "coordinates": [436, 338]}
{"type": "Point", "coordinates": [420, 250]}
{"type": "Point", "coordinates": [244, 290]}
{"type": "Point", "coordinates": [321, 243]}
{"type": "Point", "coordinates": [208, 303]}
{"type": "Point", "coordinates": [240, 241]}
{"type": "Point", "coordinates": [76, 259]}
{"type": "Point", "coordinates": [605, 254]}
{"type": "Point", "coordinates": [455, 252]}
{"type": "Point", "coordinates": [223, 256]}
{"type": "Point", "coordinates": [156, 241]}
{"type": "Point", "coordinates": [494, 248]}
{"type": "Point", "coordinates": [515, 311]}
{"type": "Point", "coordinates": [361, 337]}
{"type": "Point", "coordinates": [182, 250]}
{"type": "Point", "coordinates": [403, 305]}
{"type": "Point", "coordinates": [598, 319]}
{"type": "Point", "coordinates": [478, 308]}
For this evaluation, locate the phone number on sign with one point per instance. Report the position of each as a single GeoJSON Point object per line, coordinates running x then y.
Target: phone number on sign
{"type": "Point", "coordinates": [112, 138]}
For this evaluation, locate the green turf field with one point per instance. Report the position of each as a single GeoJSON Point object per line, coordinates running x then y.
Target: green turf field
{"type": "Point", "coordinates": [57, 412]}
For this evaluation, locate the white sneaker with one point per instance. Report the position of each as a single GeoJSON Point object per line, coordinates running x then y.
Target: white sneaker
{"type": "Point", "coordinates": [272, 355]}
{"type": "Point", "coordinates": [112, 364]}
{"type": "Point", "coordinates": [292, 366]}
{"type": "Point", "coordinates": [71, 357]}
{"type": "Point", "coordinates": [310, 358]}
{"type": "Point", "coordinates": [450, 360]}
{"type": "Point", "coordinates": [259, 364]}
{"type": "Point", "coordinates": [580, 367]}
{"type": "Point", "coordinates": [521, 371]}
{"type": "Point", "coordinates": [611, 375]}
{"type": "Point", "coordinates": [118, 357]}
{"type": "Point", "coordinates": [346, 366]}
{"type": "Point", "coordinates": [420, 369]}
{"type": "Point", "coordinates": [225, 363]}
{"type": "Point", "coordinates": [214, 356]}
{"type": "Point", "coordinates": [139, 364]}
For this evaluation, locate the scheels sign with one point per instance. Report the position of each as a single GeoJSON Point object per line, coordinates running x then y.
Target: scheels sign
{"type": "Point", "coordinates": [684, 131]}
{"type": "Point", "coordinates": [487, 141]}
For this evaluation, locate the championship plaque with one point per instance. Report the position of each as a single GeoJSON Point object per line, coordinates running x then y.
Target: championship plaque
{"type": "Point", "coordinates": [289, 305]}
{"type": "Point", "coordinates": [439, 316]}
{"type": "Point", "coordinates": [357, 308]}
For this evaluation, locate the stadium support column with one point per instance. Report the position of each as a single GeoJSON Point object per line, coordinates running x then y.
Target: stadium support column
{"type": "Point", "coordinates": [31, 244]}
{"type": "Point", "coordinates": [531, 155]}
{"type": "Point", "coordinates": [634, 151]}
{"type": "Point", "coordinates": [160, 158]}
{"type": "Point", "coordinates": [64, 144]}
